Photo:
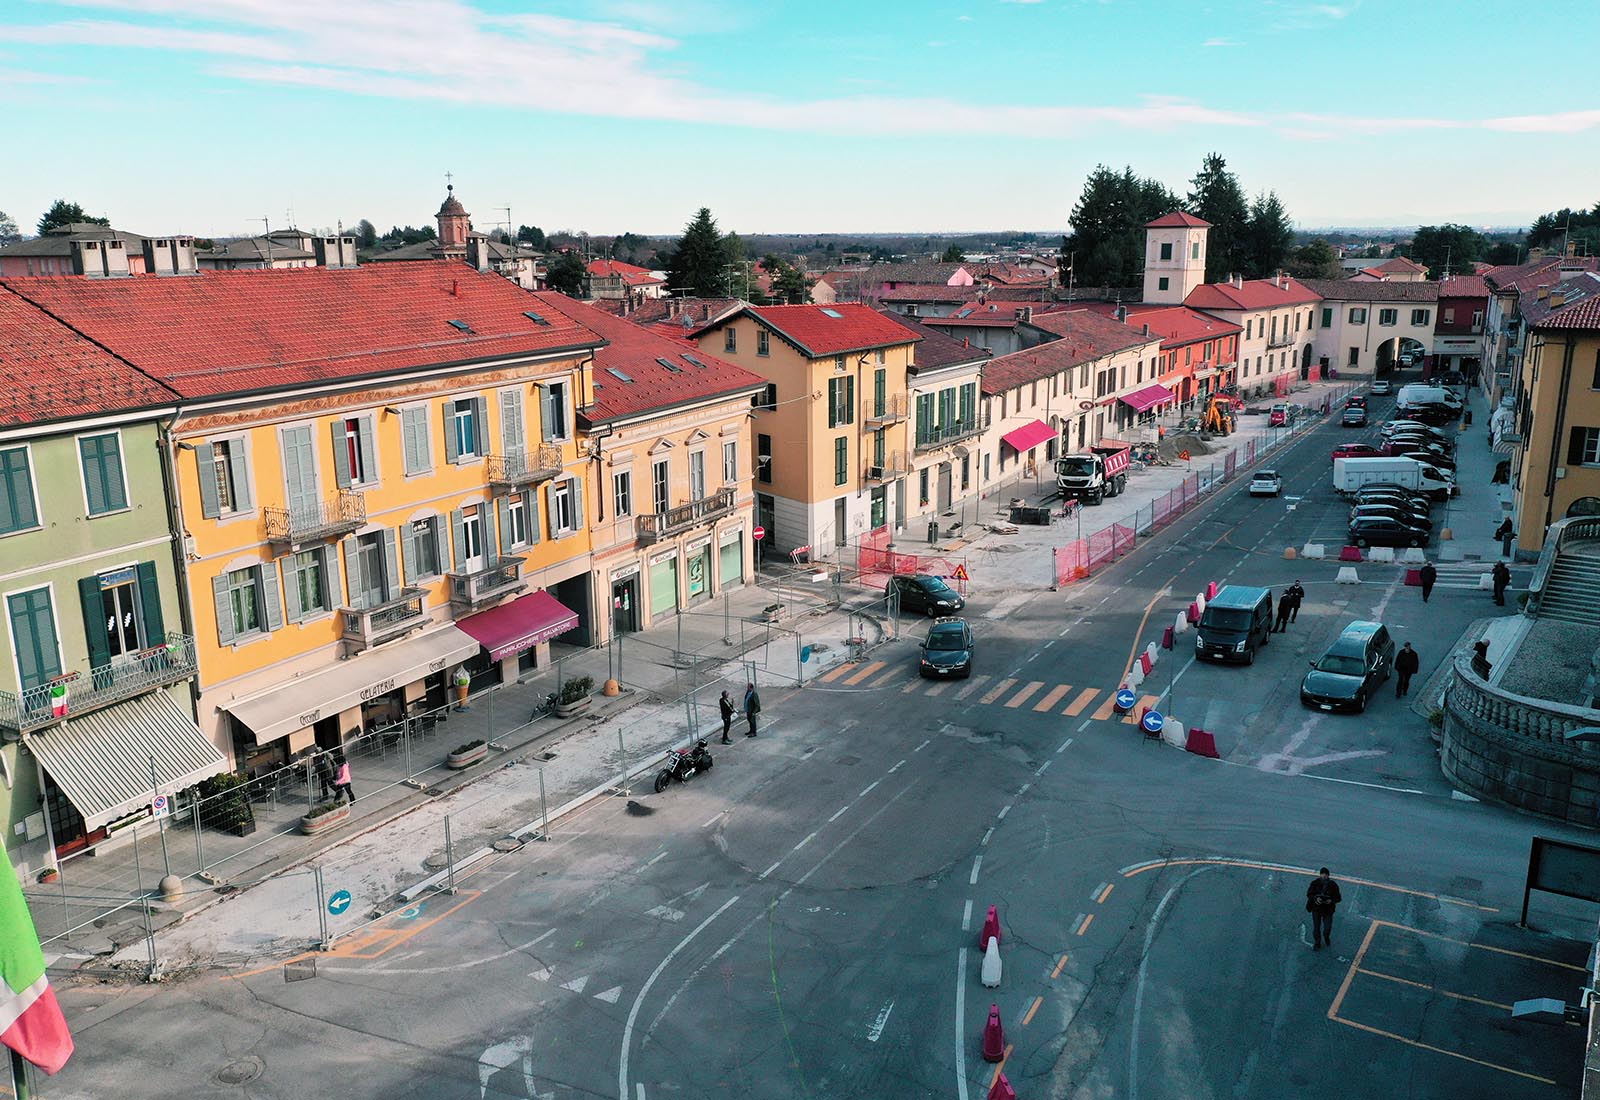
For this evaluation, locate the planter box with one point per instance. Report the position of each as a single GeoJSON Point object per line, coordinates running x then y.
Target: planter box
{"type": "Point", "coordinates": [567, 710]}
{"type": "Point", "coordinates": [311, 826]}
{"type": "Point", "coordinates": [466, 759]}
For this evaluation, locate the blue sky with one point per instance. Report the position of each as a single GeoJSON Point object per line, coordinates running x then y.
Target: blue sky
{"type": "Point", "coordinates": [204, 116]}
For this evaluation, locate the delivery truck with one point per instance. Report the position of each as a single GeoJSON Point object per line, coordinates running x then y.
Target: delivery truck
{"type": "Point", "coordinates": [1350, 474]}
{"type": "Point", "coordinates": [1090, 477]}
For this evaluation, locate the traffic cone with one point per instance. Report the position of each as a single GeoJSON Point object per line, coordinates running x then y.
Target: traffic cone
{"type": "Point", "coordinates": [990, 972]}
{"type": "Point", "coordinates": [994, 1037]}
{"type": "Point", "coordinates": [1001, 1089]}
{"type": "Point", "coordinates": [991, 927]}
{"type": "Point", "coordinates": [1211, 590]}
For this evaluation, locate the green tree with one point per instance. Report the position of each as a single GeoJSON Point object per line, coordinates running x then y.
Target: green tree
{"type": "Point", "coordinates": [1314, 260]}
{"type": "Point", "coordinates": [1578, 230]}
{"type": "Point", "coordinates": [1106, 245]}
{"type": "Point", "coordinates": [1216, 196]}
{"type": "Point", "coordinates": [1449, 245]}
{"type": "Point", "coordinates": [9, 234]}
{"type": "Point", "coordinates": [954, 254]}
{"type": "Point", "coordinates": [64, 213]}
{"type": "Point", "coordinates": [1267, 237]}
{"type": "Point", "coordinates": [790, 285]}
{"type": "Point", "coordinates": [530, 235]}
{"type": "Point", "coordinates": [366, 234]}
{"type": "Point", "coordinates": [1503, 252]}
{"type": "Point", "coordinates": [699, 257]}
{"type": "Point", "coordinates": [566, 274]}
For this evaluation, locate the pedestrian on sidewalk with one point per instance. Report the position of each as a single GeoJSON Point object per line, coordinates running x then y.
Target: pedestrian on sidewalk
{"type": "Point", "coordinates": [1282, 625]}
{"type": "Point", "coordinates": [752, 707]}
{"type": "Point", "coordinates": [1406, 663]}
{"type": "Point", "coordinates": [1322, 897]}
{"type": "Point", "coordinates": [1505, 535]}
{"type": "Point", "coordinates": [725, 704]}
{"type": "Point", "coordinates": [1502, 578]}
{"type": "Point", "coordinates": [341, 779]}
{"type": "Point", "coordinates": [324, 772]}
{"type": "Point", "coordinates": [1428, 574]}
{"type": "Point", "coordinates": [1297, 592]}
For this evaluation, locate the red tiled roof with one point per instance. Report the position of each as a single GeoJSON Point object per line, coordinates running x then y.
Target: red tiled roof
{"type": "Point", "coordinates": [1176, 325]}
{"type": "Point", "coordinates": [1463, 286]}
{"type": "Point", "coordinates": [1251, 294]}
{"type": "Point", "coordinates": [630, 274]}
{"type": "Point", "coordinates": [1400, 265]}
{"type": "Point", "coordinates": [936, 349]}
{"type": "Point", "coordinates": [635, 351]}
{"type": "Point", "coordinates": [992, 314]}
{"type": "Point", "coordinates": [1580, 307]}
{"type": "Point", "coordinates": [239, 331]}
{"type": "Point", "coordinates": [831, 330]}
{"type": "Point", "coordinates": [1529, 277]}
{"type": "Point", "coordinates": [1177, 218]}
{"type": "Point", "coordinates": [1084, 337]}
{"type": "Point", "coordinates": [1361, 290]}
{"type": "Point", "coordinates": [49, 372]}
{"type": "Point", "coordinates": [930, 292]}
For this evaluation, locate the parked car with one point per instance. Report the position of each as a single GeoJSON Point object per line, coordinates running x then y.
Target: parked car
{"type": "Point", "coordinates": [1266, 483]}
{"type": "Point", "coordinates": [1356, 450]}
{"type": "Point", "coordinates": [1354, 666]}
{"type": "Point", "coordinates": [1423, 438]}
{"type": "Point", "coordinates": [1412, 501]}
{"type": "Point", "coordinates": [947, 650]}
{"type": "Point", "coordinates": [1400, 424]}
{"type": "Point", "coordinates": [1425, 454]}
{"type": "Point", "coordinates": [927, 595]}
{"type": "Point", "coordinates": [1386, 531]}
{"type": "Point", "coordinates": [1381, 388]}
{"type": "Point", "coordinates": [1354, 417]}
{"type": "Point", "coordinates": [1405, 513]}
{"type": "Point", "coordinates": [1393, 488]}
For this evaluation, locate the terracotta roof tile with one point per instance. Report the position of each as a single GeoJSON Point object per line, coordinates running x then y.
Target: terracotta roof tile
{"type": "Point", "coordinates": [630, 274]}
{"type": "Point", "coordinates": [1178, 218]}
{"type": "Point", "coordinates": [1579, 308]}
{"type": "Point", "coordinates": [1084, 337]}
{"type": "Point", "coordinates": [1361, 290]}
{"type": "Point", "coordinates": [936, 349]}
{"type": "Point", "coordinates": [1463, 286]}
{"type": "Point", "coordinates": [1251, 294]}
{"type": "Point", "coordinates": [1176, 325]}
{"type": "Point", "coordinates": [831, 330]}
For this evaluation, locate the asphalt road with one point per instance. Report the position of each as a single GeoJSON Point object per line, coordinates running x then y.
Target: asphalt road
{"type": "Point", "coordinates": [802, 921]}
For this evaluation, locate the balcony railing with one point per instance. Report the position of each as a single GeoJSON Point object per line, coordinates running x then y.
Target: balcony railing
{"type": "Point", "coordinates": [653, 526]}
{"type": "Point", "coordinates": [894, 465]}
{"type": "Point", "coordinates": [339, 514]}
{"type": "Point", "coordinates": [891, 410]}
{"type": "Point", "coordinates": [372, 626]}
{"type": "Point", "coordinates": [930, 437]}
{"type": "Point", "coordinates": [497, 577]}
{"type": "Point", "coordinates": [521, 468]}
{"type": "Point", "coordinates": [78, 693]}
{"type": "Point", "coordinates": [1282, 340]}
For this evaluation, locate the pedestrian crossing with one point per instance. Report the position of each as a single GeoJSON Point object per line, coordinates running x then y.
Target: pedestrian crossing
{"type": "Point", "coordinates": [1007, 693]}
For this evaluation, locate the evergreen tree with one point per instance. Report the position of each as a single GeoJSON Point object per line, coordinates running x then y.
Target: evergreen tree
{"type": "Point", "coordinates": [566, 273]}
{"type": "Point", "coordinates": [1446, 246]}
{"type": "Point", "coordinates": [1217, 197]}
{"type": "Point", "coordinates": [1106, 245]}
{"type": "Point", "coordinates": [954, 254]}
{"type": "Point", "coordinates": [531, 235]}
{"type": "Point", "coordinates": [366, 234]}
{"type": "Point", "coordinates": [1503, 252]}
{"type": "Point", "coordinates": [790, 285]}
{"type": "Point", "coordinates": [63, 213]}
{"type": "Point", "coordinates": [1267, 237]}
{"type": "Point", "coordinates": [699, 258]}
{"type": "Point", "coordinates": [1314, 260]}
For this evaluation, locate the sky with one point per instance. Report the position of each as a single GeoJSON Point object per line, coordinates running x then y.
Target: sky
{"type": "Point", "coordinates": [206, 116]}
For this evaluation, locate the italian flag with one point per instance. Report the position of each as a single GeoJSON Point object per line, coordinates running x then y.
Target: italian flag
{"type": "Point", "coordinates": [30, 1019]}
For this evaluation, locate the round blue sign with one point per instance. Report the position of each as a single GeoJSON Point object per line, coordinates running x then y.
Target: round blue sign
{"type": "Point", "coordinates": [338, 902]}
{"type": "Point", "coordinates": [1125, 699]}
{"type": "Point", "coordinates": [1153, 721]}
{"type": "Point", "coordinates": [805, 653]}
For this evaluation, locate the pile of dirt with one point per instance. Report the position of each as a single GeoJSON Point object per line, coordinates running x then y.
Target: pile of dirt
{"type": "Point", "coordinates": [1174, 444]}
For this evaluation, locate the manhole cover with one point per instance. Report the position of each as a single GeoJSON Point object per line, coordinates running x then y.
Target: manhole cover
{"type": "Point", "coordinates": [435, 863]}
{"type": "Point", "coordinates": [241, 1072]}
{"type": "Point", "coordinates": [848, 761]}
{"type": "Point", "coordinates": [506, 844]}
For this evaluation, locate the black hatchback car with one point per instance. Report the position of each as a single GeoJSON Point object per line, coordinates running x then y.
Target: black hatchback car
{"type": "Point", "coordinates": [947, 650]}
{"type": "Point", "coordinates": [925, 595]}
{"type": "Point", "coordinates": [1386, 531]}
{"type": "Point", "coordinates": [1415, 515]}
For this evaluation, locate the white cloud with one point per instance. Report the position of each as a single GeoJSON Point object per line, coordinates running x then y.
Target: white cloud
{"type": "Point", "coordinates": [1213, 43]}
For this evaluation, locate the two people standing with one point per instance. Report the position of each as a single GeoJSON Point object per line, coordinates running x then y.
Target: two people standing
{"type": "Point", "coordinates": [752, 707]}
{"type": "Point", "coordinates": [1289, 606]}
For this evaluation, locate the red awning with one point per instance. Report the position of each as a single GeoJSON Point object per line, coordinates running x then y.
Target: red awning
{"type": "Point", "coordinates": [1028, 436]}
{"type": "Point", "coordinates": [507, 630]}
{"type": "Point", "coordinates": [1147, 398]}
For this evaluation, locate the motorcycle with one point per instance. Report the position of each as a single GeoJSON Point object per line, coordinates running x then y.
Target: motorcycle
{"type": "Point", "coordinates": [682, 764]}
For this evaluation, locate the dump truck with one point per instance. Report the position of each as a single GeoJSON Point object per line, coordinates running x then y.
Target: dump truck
{"type": "Point", "coordinates": [1100, 472]}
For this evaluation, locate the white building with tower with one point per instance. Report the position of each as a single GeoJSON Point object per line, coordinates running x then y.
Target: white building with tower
{"type": "Point", "coordinates": [1175, 257]}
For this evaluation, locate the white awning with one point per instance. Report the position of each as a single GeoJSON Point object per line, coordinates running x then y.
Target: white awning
{"type": "Point", "coordinates": [296, 704]}
{"type": "Point", "coordinates": [101, 761]}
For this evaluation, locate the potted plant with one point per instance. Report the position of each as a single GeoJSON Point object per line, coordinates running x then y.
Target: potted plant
{"type": "Point", "coordinates": [574, 697]}
{"type": "Point", "coordinates": [464, 756]}
{"type": "Point", "coordinates": [49, 874]}
{"type": "Point", "coordinates": [463, 682]}
{"type": "Point", "coordinates": [323, 817]}
{"type": "Point", "coordinates": [225, 804]}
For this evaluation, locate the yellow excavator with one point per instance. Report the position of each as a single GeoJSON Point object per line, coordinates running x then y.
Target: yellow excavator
{"type": "Point", "coordinates": [1218, 416]}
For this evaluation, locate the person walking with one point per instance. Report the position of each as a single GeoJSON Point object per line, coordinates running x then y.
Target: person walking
{"type": "Point", "coordinates": [1428, 574]}
{"type": "Point", "coordinates": [752, 707]}
{"type": "Point", "coordinates": [1505, 535]}
{"type": "Point", "coordinates": [1297, 593]}
{"type": "Point", "coordinates": [725, 704]}
{"type": "Point", "coordinates": [1406, 663]}
{"type": "Point", "coordinates": [1502, 578]}
{"type": "Point", "coordinates": [1282, 624]}
{"type": "Point", "coordinates": [341, 780]}
{"type": "Point", "coordinates": [1322, 897]}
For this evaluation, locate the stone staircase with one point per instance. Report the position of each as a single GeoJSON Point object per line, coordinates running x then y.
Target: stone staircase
{"type": "Point", "coordinates": [1572, 586]}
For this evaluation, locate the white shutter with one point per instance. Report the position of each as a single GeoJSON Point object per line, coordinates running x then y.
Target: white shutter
{"type": "Point", "coordinates": [408, 551]}
{"type": "Point", "coordinates": [546, 413]}
{"type": "Point", "coordinates": [369, 449]}
{"type": "Point", "coordinates": [206, 467]}
{"type": "Point", "coordinates": [513, 436]}
{"type": "Point", "coordinates": [291, 589]}
{"type": "Point", "coordinates": [414, 440]}
{"type": "Point", "coordinates": [452, 447]}
{"type": "Point", "coordinates": [391, 565]}
{"type": "Point", "coordinates": [271, 598]}
{"type": "Point", "coordinates": [341, 455]}
{"type": "Point", "coordinates": [352, 570]}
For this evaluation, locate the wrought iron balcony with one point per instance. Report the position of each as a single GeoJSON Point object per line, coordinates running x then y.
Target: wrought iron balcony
{"type": "Point", "coordinates": [891, 410]}
{"type": "Point", "coordinates": [497, 577]}
{"type": "Point", "coordinates": [366, 627]}
{"type": "Point", "coordinates": [934, 436]}
{"type": "Point", "coordinates": [77, 693]}
{"type": "Point", "coordinates": [339, 514]}
{"type": "Point", "coordinates": [894, 465]}
{"type": "Point", "coordinates": [517, 469]}
{"type": "Point", "coordinates": [653, 526]}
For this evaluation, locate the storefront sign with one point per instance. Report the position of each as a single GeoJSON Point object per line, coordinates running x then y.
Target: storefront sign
{"type": "Point", "coordinates": [698, 544]}
{"type": "Point", "coordinates": [310, 718]}
{"type": "Point", "coordinates": [623, 572]}
{"type": "Point", "coordinates": [659, 558]}
{"type": "Point", "coordinates": [118, 576]}
{"type": "Point", "coordinates": [436, 665]}
{"type": "Point", "coordinates": [382, 687]}
{"type": "Point", "coordinates": [730, 536]}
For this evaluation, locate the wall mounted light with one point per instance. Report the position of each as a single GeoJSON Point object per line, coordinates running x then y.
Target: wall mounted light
{"type": "Point", "coordinates": [185, 446]}
{"type": "Point", "coordinates": [391, 410]}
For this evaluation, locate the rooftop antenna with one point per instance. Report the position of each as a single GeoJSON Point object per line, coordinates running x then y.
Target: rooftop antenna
{"type": "Point", "coordinates": [511, 235]}
{"type": "Point", "coordinates": [266, 228]}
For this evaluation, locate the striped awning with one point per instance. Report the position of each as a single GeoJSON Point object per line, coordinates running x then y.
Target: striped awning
{"type": "Point", "coordinates": [1504, 445]}
{"type": "Point", "coordinates": [102, 760]}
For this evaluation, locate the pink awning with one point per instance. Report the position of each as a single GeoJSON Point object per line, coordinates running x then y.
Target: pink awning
{"type": "Point", "coordinates": [1028, 436]}
{"type": "Point", "coordinates": [1147, 398]}
{"type": "Point", "coordinates": [511, 628]}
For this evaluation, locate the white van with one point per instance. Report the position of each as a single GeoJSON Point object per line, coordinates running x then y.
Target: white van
{"type": "Point", "coordinates": [1417, 394]}
{"type": "Point", "coordinates": [1350, 474]}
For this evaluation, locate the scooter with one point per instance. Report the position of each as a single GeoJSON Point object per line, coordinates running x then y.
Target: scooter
{"type": "Point", "coordinates": [682, 764]}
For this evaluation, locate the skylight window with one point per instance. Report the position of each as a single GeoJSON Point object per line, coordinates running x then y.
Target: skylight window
{"type": "Point", "coordinates": [462, 325]}
{"type": "Point", "coordinates": [694, 360]}
{"type": "Point", "coordinates": [670, 365]}
{"type": "Point", "coordinates": [833, 313]}
{"type": "Point", "coordinates": [615, 373]}
{"type": "Point", "coordinates": [536, 318]}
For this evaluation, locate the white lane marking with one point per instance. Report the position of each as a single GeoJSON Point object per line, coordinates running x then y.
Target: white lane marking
{"type": "Point", "coordinates": [896, 768]}
{"type": "Point", "coordinates": [924, 745]}
{"type": "Point", "coordinates": [1041, 768]}
{"type": "Point", "coordinates": [638, 1001]}
{"type": "Point", "coordinates": [875, 1032]}
{"type": "Point", "coordinates": [1050, 643]}
{"type": "Point", "coordinates": [496, 957]}
{"type": "Point", "coordinates": [977, 862]}
{"type": "Point", "coordinates": [1065, 745]}
{"type": "Point", "coordinates": [714, 820]}
{"type": "Point", "coordinates": [576, 984]}
{"type": "Point", "coordinates": [868, 789]}
{"type": "Point", "coordinates": [837, 814]}
{"type": "Point", "coordinates": [1001, 816]}
{"type": "Point", "coordinates": [1084, 725]}
{"type": "Point", "coordinates": [657, 858]}
{"type": "Point", "coordinates": [809, 838]}
{"type": "Point", "coordinates": [1144, 966]}
{"type": "Point", "coordinates": [1376, 786]}
{"type": "Point", "coordinates": [1030, 660]}
{"type": "Point", "coordinates": [1063, 634]}
{"type": "Point", "coordinates": [1022, 790]}
{"type": "Point", "coordinates": [666, 913]}
{"type": "Point", "coordinates": [610, 996]}
{"type": "Point", "coordinates": [769, 870]}
{"type": "Point", "coordinates": [640, 1094]}
{"type": "Point", "coordinates": [966, 916]}
{"type": "Point", "coordinates": [962, 1038]}
{"type": "Point", "coordinates": [987, 835]}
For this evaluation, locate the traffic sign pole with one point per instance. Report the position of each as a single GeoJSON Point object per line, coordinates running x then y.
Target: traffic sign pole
{"type": "Point", "coordinates": [161, 822]}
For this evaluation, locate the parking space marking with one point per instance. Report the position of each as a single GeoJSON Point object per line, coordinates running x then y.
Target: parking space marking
{"type": "Point", "coordinates": [994, 693]}
{"type": "Point", "coordinates": [1028, 1019]}
{"type": "Point", "coordinates": [1306, 872]}
{"type": "Point", "coordinates": [1364, 972]}
{"type": "Point", "coordinates": [1084, 926]}
{"type": "Point", "coordinates": [1060, 966]}
{"type": "Point", "coordinates": [1483, 946]}
{"type": "Point", "coordinates": [1441, 1050]}
{"type": "Point", "coordinates": [1052, 697]}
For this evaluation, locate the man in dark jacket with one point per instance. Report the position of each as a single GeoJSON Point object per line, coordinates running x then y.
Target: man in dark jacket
{"type": "Point", "coordinates": [1505, 534]}
{"type": "Point", "coordinates": [1428, 575]}
{"type": "Point", "coordinates": [1406, 664]}
{"type": "Point", "coordinates": [725, 704]}
{"type": "Point", "coordinates": [1283, 615]}
{"type": "Point", "coordinates": [1502, 578]}
{"type": "Point", "coordinates": [752, 707]}
{"type": "Point", "coordinates": [1322, 897]}
{"type": "Point", "coordinates": [1297, 593]}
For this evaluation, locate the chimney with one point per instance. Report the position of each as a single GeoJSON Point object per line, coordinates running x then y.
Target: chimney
{"type": "Point", "coordinates": [334, 251]}
{"type": "Point", "coordinates": [169, 256]}
{"type": "Point", "coordinates": [672, 307]}
{"type": "Point", "coordinates": [1147, 330]}
{"type": "Point", "coordinates": [1544, 292]}
{"type": "Point", "coordinates": [478, 251]}
{"type": "Point", "coordinates": [100, 258]}
{"type": "Point", "coordinates": [1026, 313]}
{"type": "Point", "coordinates": [1238, 281]}
{"type": "Point", "coordinates": [1558, 298]}
{"type": "Point", "coordinates": [1122, 315]}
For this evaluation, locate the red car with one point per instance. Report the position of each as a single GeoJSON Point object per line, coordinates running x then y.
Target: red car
{"type": "Point", "coordinates": [1357, 450]}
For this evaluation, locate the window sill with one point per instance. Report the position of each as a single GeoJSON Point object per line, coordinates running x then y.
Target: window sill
{"type": "Point", "coordinates": [124, 510]}
{"type": "Point", "coordinates": [312, 619]}
{"type": "Point", "coordinates": [249, 639]}
{"type": "Point", "coordinates": [21, 531]}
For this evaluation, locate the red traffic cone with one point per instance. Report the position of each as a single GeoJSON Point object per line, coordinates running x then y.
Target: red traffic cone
{"type": "Point", "coordinates": [994, 1037]}
{"type": "Point", "coordinates": [1211, 590]}
{"type": "Point", "coordinates": [991, 927]}
{"type": "Point", "coordinates": [1001, 1089]}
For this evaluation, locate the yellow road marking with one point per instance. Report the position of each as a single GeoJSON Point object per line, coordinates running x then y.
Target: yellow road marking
{"type": "Point", "coordinates": [1259, 866]}
{"type": "Point", "coordinates": [887, 676]}
{"type": "Point", "coordinates": [995, 693]}
{"type": "Point", "coordinates": [1484, 946]}
{"type": "Point", "coordinates": [1350, 975]}
{"type": "Point", "coordinates": [1083, 700]}
{"type": "Point", "coordinates": [1433, 989]}
{"type": "Point", "coordinates": [864, 673]}
{"type": "Point", "coordinates": [1060, 965]}
{"type": "Point", "coordinates": [1440, 1050]}
{"type": "Point", "coordinates": [1105, 709]}
{"type": "Point", "coordinates": [1084, 927]}
{"type": "Point", "coordinates": [356, 948]}
{"type": "Point", "coordinates": [973, 685]}
{"type": "Point", "coordinates": [833, 674]}
{"type": "Point", "coordinates": [1054, 697]}
{"type": "Point", "coordinates": [1000, 1065]}
{"type": "Point", "coordinates": [941, 687]}
{"type": "Point", "coordinates": [1146, 702]}
{"type": "Point", "coordinates": [1104, 894]}
{"type": "Point", "coordinates": [1025, 694]}
{"type": "Point", "coordinates": [1028, 1019]}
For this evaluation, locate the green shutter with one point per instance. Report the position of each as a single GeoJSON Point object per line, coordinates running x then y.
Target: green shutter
{"type": "Point", "coordinates": [452, 447]}
{"type": "Point", "coordinates": [291, 589]}
{"type": "Point", "coordinates": [94, 622]}
{"type": "Point", "coordinates": [458, 531]}
{"type": "Point", "coordinates": [833, 402]}
{"type": "Point", "coordinates": [414, 439]}
{"type": "Point", "coordinates": [502, 507]}
{"type": "Point", "coordinates": [17, 511]}
{"type": "Point", "coordinates": [354, 581]}
{"type": "Point", "coordinates": [271, 596]}
{"type": "Point", "coordinates": [109, 459]}
{"type": "Point", "coordinates": [206, 469]}
{"type": "Point", "coordinates": [480, 426]}
{"type": "Point", "coordinates": [34, 629]}
{"type": "Point", "coordinates": [155, 630]}
{"type": "Point", "coordinates": [219, 590]}
{"type": "Point", "coordinates": [369, 449]}
{"type": "Point", "coordinates": [240, 474]}
{"type": "Point", "coordinates": [94, 481]}
{"type": "Point", "coordinates": [546, 412]}
{"type": "Point", "coordinates": [391, 564]}
{"type": "Point", "coordinates": [341, 455]}
{"type": "Point", "coordinates": [408, 552]}
{"type": "Point", "coordinates": [530, 505]}
{"type": "Point", "coordinates": [850, 400]}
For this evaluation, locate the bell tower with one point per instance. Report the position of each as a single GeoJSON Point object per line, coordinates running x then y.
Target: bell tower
{"type": "Point", "coordinates": [454, 223]}
{"type": "Point", "coordinates": [1174, 257]}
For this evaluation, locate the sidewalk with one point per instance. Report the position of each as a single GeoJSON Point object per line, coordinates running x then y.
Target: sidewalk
{"type": "Point", "coordinates": [1473, 516]}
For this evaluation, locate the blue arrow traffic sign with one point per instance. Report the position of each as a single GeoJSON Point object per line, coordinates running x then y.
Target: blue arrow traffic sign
{"type": "Point", "coordinates": [338, 902]}
{"type": "Point", "coordinates": [1125, 699]}
{"type": "Point", "coordinates": [1153, 722]}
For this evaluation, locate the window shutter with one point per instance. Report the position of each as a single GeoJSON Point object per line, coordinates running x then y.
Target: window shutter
{"type": "Point", "coordinates": [452, 448]}
{"type": "Point", "coordinates": [94, 482]}
{"type": "Point", "coordinates": [458, 531]}
{"type": "Point", "coordinates": [111, 472]}
{"type": "Point", "coordinates": [219, 589]}
{"type": "Point", "coordinates": [530, 504]}
{"type": "Point", "coordinates": [206, 466]}
{"type": "Point", "coordinates": [391, 564]}
{"type": "Point", "coordinates": [341, 456]}
{"type": "Point", "coordinates": [833, 402]}
{"type": "Point", "coordinates": [155, 630]}
{"type": "Point", "coordinates": [513, 438]}
{"type": "Point", "coordinates": [550, 509]}
{"type": "Point", "coordinates": [1575, 442]}
{"type": "Point", "coordinates": [546, 414]}
{"type": "Point", "coordinates": [502, 509]}
{"type": "Point", "coordinates": [271, 598]}
{"type": "Point", "coordinates": [352, 570]}
{"type": "Point", "coordinates": [408, 551]}
{"type": "Point", "coordinates": [480, 425]}
{"type": "Point", "coordinates": [94, 622]}
{"type": "Point", "coordinates": [369, 449]}
{"type": "Point", "coordinates": [414, 439]}
{"type": "Point", "coordinates": [240, 474]}
{"type": "Point", "coordinates": [330, 576]}
{"type": "Point", "coordinates": [577, 503]}
{"type": "Point", "coordinates": [850, 400]}
{"type": "Point", "coordinates": [291, 589]}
